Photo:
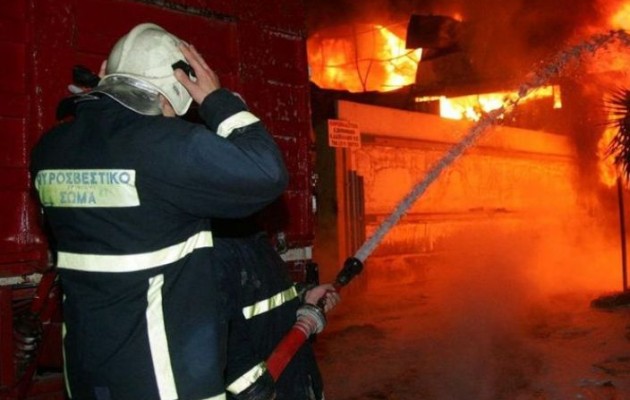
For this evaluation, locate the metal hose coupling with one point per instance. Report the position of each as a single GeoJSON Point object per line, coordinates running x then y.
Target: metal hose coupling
{"type": "Point", "coordinates": [310, 319]}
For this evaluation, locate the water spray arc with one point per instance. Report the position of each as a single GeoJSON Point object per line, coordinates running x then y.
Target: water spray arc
{"type": "Point", "coordinates": [312, 321]}
{"type": "Point", "coordinates": [553, 68]}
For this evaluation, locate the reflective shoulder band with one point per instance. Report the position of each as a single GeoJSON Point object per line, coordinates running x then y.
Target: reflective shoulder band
{"type": "Point", "coordinates": [134, 262]}
{"type": "Point", "coordinates": [263, 306]}
{"type": "Point", "coordinates": [247, 379]}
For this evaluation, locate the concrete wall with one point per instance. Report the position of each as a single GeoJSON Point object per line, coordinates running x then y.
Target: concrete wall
{"type": "Point", "coordinates": [509, 179]}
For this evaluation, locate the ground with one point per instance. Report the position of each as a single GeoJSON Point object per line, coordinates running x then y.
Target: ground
{"type": "Point", "coordinates": [478, 335]}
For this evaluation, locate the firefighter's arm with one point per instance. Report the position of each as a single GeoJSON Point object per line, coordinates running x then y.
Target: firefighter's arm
{"type": "Point", "coordinates": [233, 167]}
{"type": "Point", "coordinates": [247, 376]}
{"type": "Point", "coordinates": [240, 171]}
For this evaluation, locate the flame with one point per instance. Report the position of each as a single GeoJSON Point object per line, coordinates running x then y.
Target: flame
{"type": "Point", "coordinates": [374, 59]}
{"type": "Point", "coordinates": [474, 106]}
{"type": "Point", "coordinates": [621, 18]}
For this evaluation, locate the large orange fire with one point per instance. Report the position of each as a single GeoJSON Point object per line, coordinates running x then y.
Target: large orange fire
{"type": "Point", "coordinates": [374, 58]}
{"type": "Point", "coordinates": [367, 58]}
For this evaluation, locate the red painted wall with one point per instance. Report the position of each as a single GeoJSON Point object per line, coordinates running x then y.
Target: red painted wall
{"type": "Point", "coordinates": [257, 48]}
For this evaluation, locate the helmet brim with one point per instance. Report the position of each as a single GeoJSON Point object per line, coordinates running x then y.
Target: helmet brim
{"type": "Point", "coordinates": [131, 93]}
{"type": "Point", "coordinates": [142, 94]}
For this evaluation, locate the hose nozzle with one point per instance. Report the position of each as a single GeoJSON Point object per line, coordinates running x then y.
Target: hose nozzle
{"type": "Point", "coordinates": [351, 268]}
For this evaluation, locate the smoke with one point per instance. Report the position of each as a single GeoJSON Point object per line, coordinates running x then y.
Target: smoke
{"type": "Point", "coordinates": [502, 37]}
{"type": "Point", "coordinates": [516, 35]}
{"type": "Point", "coordinates": [480, 290]}
{"type": "Point", "coordinates": [488, 288]}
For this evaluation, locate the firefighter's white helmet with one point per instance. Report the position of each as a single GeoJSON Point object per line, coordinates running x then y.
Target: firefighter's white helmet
{"type": "Point", "coordinates": [141, 66]}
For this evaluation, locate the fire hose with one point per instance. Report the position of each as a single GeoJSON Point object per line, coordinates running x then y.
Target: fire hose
{"type": "Point", "coordinates": [310, 320]}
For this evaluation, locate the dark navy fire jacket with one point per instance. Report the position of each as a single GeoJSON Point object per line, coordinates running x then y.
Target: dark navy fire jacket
{"type": "Point", "coordinates": [127, 199]}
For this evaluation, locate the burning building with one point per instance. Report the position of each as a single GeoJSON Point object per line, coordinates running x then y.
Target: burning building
{"type": "Point", "coordinates": [432, 76]}
{"type": "Point", "coordinates": [498, 218]}
{"type": "Point", "coordinates": [464, 296]}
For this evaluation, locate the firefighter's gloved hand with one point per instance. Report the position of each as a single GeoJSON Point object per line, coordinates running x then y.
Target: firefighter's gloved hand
{"type": "Point", "coordinates": [325, 295]}
{"type": "Point", "coordinates": [263, 388]}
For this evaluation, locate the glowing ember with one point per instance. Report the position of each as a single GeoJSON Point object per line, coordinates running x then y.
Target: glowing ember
{"type": "Point", "coordinates": [374, 59]}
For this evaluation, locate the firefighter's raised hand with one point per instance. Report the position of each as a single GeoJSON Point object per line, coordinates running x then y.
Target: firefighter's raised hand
{"type": "Point", "coordinates": [206, 80]}
{"type": "Point", "coordinates": [323, 295]}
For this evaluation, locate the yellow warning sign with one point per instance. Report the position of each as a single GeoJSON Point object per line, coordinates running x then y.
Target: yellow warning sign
{"type": "Point", "coordinates": [343, 134]}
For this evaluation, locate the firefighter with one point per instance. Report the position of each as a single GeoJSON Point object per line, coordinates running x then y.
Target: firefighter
{"type": "Point", "coordinates": [265, 302]}
{"type": "Point", "coordinates": [128, 195]}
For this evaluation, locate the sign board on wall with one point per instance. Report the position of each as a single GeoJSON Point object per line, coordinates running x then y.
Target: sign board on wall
{"type": "Point", "coordinates": [343, 134]}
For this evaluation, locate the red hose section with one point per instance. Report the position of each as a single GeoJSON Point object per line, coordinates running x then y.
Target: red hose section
{"type": "Point", "coordinates": [285, 350]}
{"type": "Point", "coordinates": [292, 341]}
